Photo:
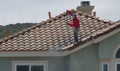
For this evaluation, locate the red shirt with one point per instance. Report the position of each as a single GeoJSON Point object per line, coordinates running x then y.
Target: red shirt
{"type": "Point", "coordinates": [75, 22]}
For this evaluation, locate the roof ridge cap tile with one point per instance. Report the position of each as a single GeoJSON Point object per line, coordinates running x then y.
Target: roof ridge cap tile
{"type": "Point", "coordinates": [37, 24]}
{"type": "Point", "coordinates": [42, 23]}
{"type": "Point", "coordinates": [6, 39]}
{"type": "Point", "coordinates": [53, 19]}
{"type": "Point", "coordinates": [104, 21]}
{"type": "Point", "coordinates": [118, 21]}
{"type": "Point", "coordinates": [80, 13]}
{"type": "Point", "coordinates": [93, 17]}
{"type": "Point", "coordinates": [109, 21]}
{"type": "Point", "coordinates": [56, 17]}
{"type": "Point", "coordinates": [64, 13]}
{"type": "Point", "coordinates": [59, 16]}
{"type": "Point", "coordinates": [48, 21]}
{"type": "Point", "coordinates": [1, 41]}
{"type": "Point", "coordinates": [87, 15]}
{"type": "Point", "coordinates": [17, 34]}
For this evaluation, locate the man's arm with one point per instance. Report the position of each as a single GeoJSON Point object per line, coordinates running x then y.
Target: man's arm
{"type": "Point", "coordinates": [71, 25]}
{"type": "Point", "coordinates": [69, 12]}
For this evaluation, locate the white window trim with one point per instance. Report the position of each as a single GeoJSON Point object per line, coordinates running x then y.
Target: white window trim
{"type": "Point", "coordinates": [116, 65]}
{"type": "Point", "coordinates": [107, 65]}
{"type": "Point", "coordinates": [34, 62]}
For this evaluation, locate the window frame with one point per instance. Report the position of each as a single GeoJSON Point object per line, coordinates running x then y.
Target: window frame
{"type": "Point", "coordinates": [107, 66]}
{"type": "Point", "coordinates": [44, 63]}
{"type": "Point", "coordinates": [116, 65]}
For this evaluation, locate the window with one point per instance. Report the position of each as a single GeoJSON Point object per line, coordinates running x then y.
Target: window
{"type": "Point", "coordinates": [118, 67]}
{"type": "Point", "coordinates": [105, 67]}
{"type": "Point", "coordinates": [37, 68]}
{"type": "Point", "coordinates": [22, 68]}
{"type": "Point", "coordinates": [29, 66]}
{"type": "Point", "coordinates": [118, 54]}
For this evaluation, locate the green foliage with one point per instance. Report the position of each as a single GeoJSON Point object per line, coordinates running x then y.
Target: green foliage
{"type": "Point", "coordinates": [13, 28]}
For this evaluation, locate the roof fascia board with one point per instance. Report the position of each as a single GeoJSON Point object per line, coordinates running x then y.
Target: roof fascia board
{"type": "Point", "coordinates": [107, 35]}
{"type": "Point", "coordinates": [30, 53]}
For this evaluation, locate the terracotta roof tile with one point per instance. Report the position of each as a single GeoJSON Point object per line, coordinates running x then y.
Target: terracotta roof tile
{"type": "Point", "coordinates": [55, 34]}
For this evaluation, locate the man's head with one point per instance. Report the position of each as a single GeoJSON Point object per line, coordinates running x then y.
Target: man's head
{"type": "Point", "coordinates": [73, 11]}
{"type": "Point", "coordinates": [70, 11]}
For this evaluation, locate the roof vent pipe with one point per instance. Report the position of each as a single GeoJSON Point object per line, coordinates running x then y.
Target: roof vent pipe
{"type": "Point", "coordinates": [49, 15]}
{"type": "Point", "coordinates": [94, 14]}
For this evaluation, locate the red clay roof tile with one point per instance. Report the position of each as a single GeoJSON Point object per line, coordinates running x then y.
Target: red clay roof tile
{"type": "Point", "coordinates": [55, 34]}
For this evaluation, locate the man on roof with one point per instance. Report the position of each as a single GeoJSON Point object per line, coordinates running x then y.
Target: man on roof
{"type": "Point", "coordinates": [75, 24]}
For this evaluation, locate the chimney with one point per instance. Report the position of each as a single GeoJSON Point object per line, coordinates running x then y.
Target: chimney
{"type": "Point", "coordinates": [49, 15]}
{"type": "Point", "coordinates": [85, 7]}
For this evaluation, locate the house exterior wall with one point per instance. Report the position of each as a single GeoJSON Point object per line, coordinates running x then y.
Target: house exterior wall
{"type": "Point", "coordinates": [107, 51]}
{"type": "Point", "coordinates": [90, 58]}
{"type": "Point", "coordinates": [54, 63]}
{"type": "Point", "coordinates": [85, 59]}
{"type": "Point", "coordinates": [108, 46]}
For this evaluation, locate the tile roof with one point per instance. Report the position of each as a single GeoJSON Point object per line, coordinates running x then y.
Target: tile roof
{"type": "Point", "coordinates": [55, 34]}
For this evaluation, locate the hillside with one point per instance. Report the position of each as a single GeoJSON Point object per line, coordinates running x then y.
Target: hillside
{"type": "Point", "coordinates": [13, 28]}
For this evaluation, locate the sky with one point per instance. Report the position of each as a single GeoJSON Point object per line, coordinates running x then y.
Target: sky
{"type": "Point", "coordinates": [35, 11]}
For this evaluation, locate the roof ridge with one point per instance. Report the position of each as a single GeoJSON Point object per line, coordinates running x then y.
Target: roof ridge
{"type": "Point", "coordinates": [117, 21]}
{"type": "Point", "coordinates": [97, 18]}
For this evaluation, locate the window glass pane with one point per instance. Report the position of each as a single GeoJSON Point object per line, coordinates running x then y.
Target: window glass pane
{"type": "Point", "coordinates": [118, 54]}
{"type": "Point", "coordinates": [22, 67]}
{"type": "Point", "coordinates": [37, 68]}
{"type": "Point", "coordinates": [118, 67]}
{"type": "Point", "coordinates": [105, 67]}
